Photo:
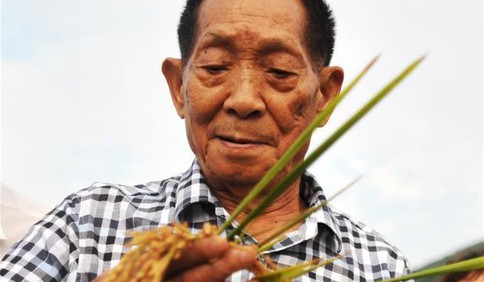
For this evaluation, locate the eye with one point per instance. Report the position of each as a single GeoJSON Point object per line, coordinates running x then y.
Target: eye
{"type": "Point", "coordinates": [215, 69]}
{"type": "Point", "coordinates": [280, 74]}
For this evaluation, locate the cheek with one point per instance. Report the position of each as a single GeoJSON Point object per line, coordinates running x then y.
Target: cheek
{"type": "Point", "coordinates": [203, 104]}
{"type": "Point", "coordinates": [197, 137]}
{"type": "Point", "coordinates": [201, 107]}
{"type": "Point", "coordinates": [297, 112]}
{"type": "Point", "coordinates": [300, 108]}
{"type": "Point", "coordinates": [193, 136]}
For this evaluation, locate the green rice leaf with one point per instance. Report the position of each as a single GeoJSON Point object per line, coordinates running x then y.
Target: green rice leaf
{"type": "Point", "coordinates": [299, 169]}
{"type": "Point", "coordinates": [292, 150]}
{"type": "Point", "coordinates": [288, 273]}
{"type": "Point", "coordinates": [279, 234]}
{"type": "Point", "coordinates": [467, 265]}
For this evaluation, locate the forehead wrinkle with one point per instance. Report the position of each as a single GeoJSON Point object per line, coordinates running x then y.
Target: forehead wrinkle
{"type": "Point", "coordinates": [214, 39]}
{"type": "Point", "coordinates": [231, 41]}
{"type": "Point", "coordinates": [285, 45]}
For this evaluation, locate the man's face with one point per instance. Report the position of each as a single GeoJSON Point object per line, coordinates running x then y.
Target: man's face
{"type": "Point", "coordinates": [248, 89]}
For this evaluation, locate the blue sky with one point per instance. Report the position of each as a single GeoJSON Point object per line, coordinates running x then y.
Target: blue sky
{"type": "Point", "coordinates": [83, 100]}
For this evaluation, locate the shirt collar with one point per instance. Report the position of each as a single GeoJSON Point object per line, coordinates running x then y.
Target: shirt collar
{"type": "Point", "coordinates": [313, 194]}
{"type": "Point", "coordinates": [193, 189]}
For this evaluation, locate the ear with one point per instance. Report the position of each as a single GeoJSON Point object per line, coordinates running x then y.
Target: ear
{"type": "Point", "coordinates": [330, 81]}
{"type": "Point", "coordinates": [173, 71]}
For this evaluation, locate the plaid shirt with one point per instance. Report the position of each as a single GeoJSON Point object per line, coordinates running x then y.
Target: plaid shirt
{"type": "Point", "coordinates": [85, 235]}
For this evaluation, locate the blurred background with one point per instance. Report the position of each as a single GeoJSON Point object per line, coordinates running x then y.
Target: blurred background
{"type": "Point", "coordinates": [83, 100]}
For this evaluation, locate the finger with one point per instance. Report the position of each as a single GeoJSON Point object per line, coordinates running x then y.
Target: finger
{"type": "Point", "coordinates": [200, 252]}
{"type": "Point", "coordinates": [221, 268]}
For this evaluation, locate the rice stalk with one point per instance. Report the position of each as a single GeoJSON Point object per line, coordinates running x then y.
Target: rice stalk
{"type": "Point", "coordinates": [462, 266]}
{"type": "Point", "coordinates": [300, 168]}
{"type": "Point", "coordinates": [153, 252]}
{"type": "Point", "coordinates": [279, 233]}
{"type": "Point", "coordinates": [294, 149]}
{"type": "Point", "coordinates": [155, 249]}
{"type": "Point", "coordinates": [288, 273]}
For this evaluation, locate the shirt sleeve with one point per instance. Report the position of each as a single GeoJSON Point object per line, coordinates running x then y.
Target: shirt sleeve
{"type": "Point", "coordinates": [49, 251]}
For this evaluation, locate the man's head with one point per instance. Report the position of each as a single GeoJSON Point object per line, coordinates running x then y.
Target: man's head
{"type": "Point", "coordinates": [319, 30]}
{"type": "Point", "coordinates": [249, 87]}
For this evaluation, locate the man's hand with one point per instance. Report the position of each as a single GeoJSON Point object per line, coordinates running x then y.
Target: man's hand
{"type": "Point", "coordinates": [208, 259]}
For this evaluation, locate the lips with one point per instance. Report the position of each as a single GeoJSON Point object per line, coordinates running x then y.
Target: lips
{"type": "Point", "coordinates": [241, 134]}
{"type": "Point", "coordinates": [241, 140]}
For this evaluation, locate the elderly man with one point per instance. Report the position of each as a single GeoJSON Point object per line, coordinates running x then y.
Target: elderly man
{"type": "Point", "coordinates": [252, 76]}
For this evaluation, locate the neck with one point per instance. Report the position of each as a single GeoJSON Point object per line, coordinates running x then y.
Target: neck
{"type": "Point", "coordinates": [283, 209]}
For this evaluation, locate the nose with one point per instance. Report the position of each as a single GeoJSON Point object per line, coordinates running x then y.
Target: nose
{"type": "Point", "coordinates": [245, 100]}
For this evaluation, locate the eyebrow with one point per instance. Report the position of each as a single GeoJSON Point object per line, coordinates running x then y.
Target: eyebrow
{"type": "Point", "coordinates": [265, 46]}
{"type": "Point", "coordinates": [213, 39]}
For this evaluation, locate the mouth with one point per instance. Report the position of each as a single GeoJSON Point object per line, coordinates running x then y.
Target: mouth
{"type": "Point", "coordinates": [240, 140]}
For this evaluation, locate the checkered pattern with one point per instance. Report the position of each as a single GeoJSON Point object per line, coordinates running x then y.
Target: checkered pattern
{"type": "Point", "coordinates": [85, 235]}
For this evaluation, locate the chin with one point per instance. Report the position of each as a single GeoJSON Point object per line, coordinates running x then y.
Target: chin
{"type": "Point", "coordinates": [236, 173]}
